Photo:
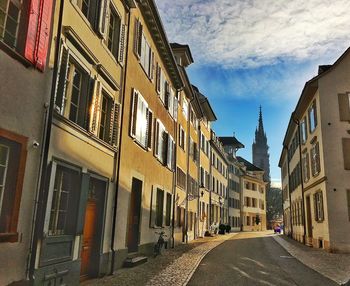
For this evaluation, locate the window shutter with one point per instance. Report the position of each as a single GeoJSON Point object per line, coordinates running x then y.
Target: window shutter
{"type": "Point", "coordinates": [346, 153]}
{"type": "Point", "coordinates": [32, 32]}
{"type": "Point", "coordinates": [134, 113]}
{"type": "Point", "coordinates": [344, 106]}
{"type": "Point", "coordinates": [61, 80]}
{"type": "Point", "coordinates": [115, 119]}
{"type": "Point", "coordinates": [175, 107]}
{"type": "Point", "coordinates": [348, 200]}
{"type": "Point", "coordinates": [156, 138]}
{"type": "Point", "coordinates": [95, 107]}
{"type": "Point", "coordinates": [122, 44]}
{"type": "Point", "coordinates": [152, 66]}
{"type": "Point", "coordinates": [102, 25]}
{"type": "Point", "coordinates": [318, 164]}
{"type": "Point", "coordinates": [158, 72]}
{"type": "Point", "coordinates": [173, 156]}
{"type": "Point", "coordinates": [169, 152]}
{"type": "Point", "coordinates": [153, 209]}
{"type": "Point", "coordinates": [84, 191]}
{"type": "Point", "coordinates": [165, 138]}
{"type": "Point", "coordinates": [315, 207]}
{"type": "Point", "coordinates": [149, 128]}
{"type": "Point", "coordinates": [52, 171]}
{"type": "Point", "coordinates": [321, 206]}
{"type": "Point", "coordinates": [137, 38]}
{"type": "Point", "coordinates": [163, 202]}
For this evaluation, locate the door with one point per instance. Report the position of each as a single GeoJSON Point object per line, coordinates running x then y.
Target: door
{"type": "Point", "coordinates": [309, 218]}
{"type": "Point", "coordinates": [88, 237]}
{"type": "Point", "coordinates": [134, 215]}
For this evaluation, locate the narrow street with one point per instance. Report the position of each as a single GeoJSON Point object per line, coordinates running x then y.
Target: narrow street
{"type": "Point", "coordinates": [254, 259]}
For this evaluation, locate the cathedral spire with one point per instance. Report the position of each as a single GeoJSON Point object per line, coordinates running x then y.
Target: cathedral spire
{"type": "Point", "coordinates": [261, 125]}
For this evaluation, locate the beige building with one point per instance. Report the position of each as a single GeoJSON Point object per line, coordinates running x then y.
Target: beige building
{"type": "Point", "coordinates": [254, 197]}
{"type": "Point", "coordinates": [287, 219]}
{"type": "Point", "coordinates": [186, 218]}
{"type": "Point", "coordinates": [321, 118]}
{"type": "Point", "coordinates": [235, 179]}
{"type": "Point", "coordinates": [219, 175]}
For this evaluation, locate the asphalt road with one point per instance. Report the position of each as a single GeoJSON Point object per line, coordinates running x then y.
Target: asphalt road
{"type": "Point", "coordinates": [254, 259]}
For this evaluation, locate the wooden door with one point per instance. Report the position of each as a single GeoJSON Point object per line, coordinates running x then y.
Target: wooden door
{"type": "Point", "coordinates": [134, 215]}
{"type": "Point", "coordinates": [88, 237]}
{"type": "Point", "coordinates": [309, 218]}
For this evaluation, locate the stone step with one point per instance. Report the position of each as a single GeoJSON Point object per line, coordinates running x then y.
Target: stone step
{"type": "Point", "coordinates": [134, 261]}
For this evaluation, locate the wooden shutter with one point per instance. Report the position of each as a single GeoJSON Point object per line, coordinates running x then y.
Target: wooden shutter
{"type": "Point", "coordinates": [122, 44]}
{"type": "Point", "coordinates": [152, 66]}
{"type": "Point", "coordinates": [344, 106]}
{"type": "Point", "coordinates": [315, 207]}
{"type": "Point", "coordinates": [149, 128]}
{"type": "Point", "coordinates": [84, 191]}
{"type": "Point", "coordinates": [321, 206]}
{"type": "Point", "coordinates": [169, 152]}
{"type": "Point", "coordinates": [134, 107]}
{"type": "Point", "coordinates": [165, 138]}
{"type": "Point", "coordinates": [153, 209]}
{"type": "Point", "coordinates": [102, 23]}
{"type": "Point", "coordinates": [346, 152]}
{"type": "Point", "coordinates": [114, 125]}
{"type": "Point", "coordinates": [318, 163]}
{"type": "Point", "coordinates": [166, 94]}
{"type": "Point", "coordinates": [52, 171]}
{"type": "Point", "coordinates": [158, 72]}
{"type": "Point", "coordinates": [95, 107]}
{"type": "Point", "coordinates": [348, 200]}
{"type": "Point", "coordinates": [32, 31]}
{"type": "Point", "coordinates": [176, 102]}
{"type": "Point", "coordinates": [156, 138]}
{"type": "Point", "coordinates": [61, 80]}
{"type": "Point", "coordinates": [137, 38]}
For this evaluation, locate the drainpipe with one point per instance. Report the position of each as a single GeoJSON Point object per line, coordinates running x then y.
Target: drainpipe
{"type": "Point", "coordinates": [211, 184]}
{"type": "Point", "coordinates": [301, 178]}
{"type": "Point", "coordinates": [198, 178]}
{"type": "Point", "coordinates": [117, 160]}
{"type": "Point", "coordinates": [185, 235]}
{"type": "Point", "coordinates": [39, 212]}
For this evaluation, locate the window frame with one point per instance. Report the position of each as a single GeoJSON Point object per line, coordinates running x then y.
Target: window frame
{"type": "Point", "coordinates": [312, 115]}
{"type": "Point", "coordinates": [12, 235]}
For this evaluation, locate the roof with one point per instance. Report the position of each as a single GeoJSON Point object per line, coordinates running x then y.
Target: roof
{"type": "Point", "coordinates": [185, 48]}
{"type": "Point", "coordinates": [249, 166]}
{"type": "Point", "coordinates": [231, 140]}
{"type": "Point", "coordinates": [205, 105]}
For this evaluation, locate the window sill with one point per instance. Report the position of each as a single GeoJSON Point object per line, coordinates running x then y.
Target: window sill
{"type": "Point", "coordinates": [9, 237]}
{"type": "Point", "coordinates": [15, 55]}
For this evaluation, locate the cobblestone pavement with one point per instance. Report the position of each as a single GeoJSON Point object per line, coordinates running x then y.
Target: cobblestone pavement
{"type": "Point", "coordinates": [333, 266]}
{"type": "Point", "coordinates": [164, 269]}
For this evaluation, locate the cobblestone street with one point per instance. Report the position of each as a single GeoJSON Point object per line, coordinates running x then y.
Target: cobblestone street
{"type": "Point", "coordinates": [174, 266]}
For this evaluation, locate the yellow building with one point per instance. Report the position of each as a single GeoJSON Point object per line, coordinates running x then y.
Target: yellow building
{"type": "Point", "coordinates": [73, 236]}
{"type": "Point", "coordinates": [149, 133]}
{"type": "Point", "coordinates": [219, 175]}
{"type": "Point", "coordinates": [254, 197]}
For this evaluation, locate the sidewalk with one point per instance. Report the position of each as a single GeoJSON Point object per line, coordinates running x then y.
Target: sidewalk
{"type": "Point", "coordinates": [333, 266]}
{"type": "Point", "coordinates": [174, 267]}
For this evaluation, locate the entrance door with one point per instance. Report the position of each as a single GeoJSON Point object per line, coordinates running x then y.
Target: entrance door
{"type": "Point", "coordinates": [134, 215]}
{"type": "Point", "coordinates": [93, 225]}
{"type": "Point", "coordinates": [309, 218]}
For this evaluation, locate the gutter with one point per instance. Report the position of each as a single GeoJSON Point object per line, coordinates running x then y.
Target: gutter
{"type": "Point", "coordinates": [114, 225]}
{"type": "Point", "coordinates": [39, 213]}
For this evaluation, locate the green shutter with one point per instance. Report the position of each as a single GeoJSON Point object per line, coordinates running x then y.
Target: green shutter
{"type": "Point", "coordinates": [84, 191]}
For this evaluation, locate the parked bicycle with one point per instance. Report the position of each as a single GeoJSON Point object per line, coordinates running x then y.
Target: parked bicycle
{"type": "Point", "coordinates": [158, 246]}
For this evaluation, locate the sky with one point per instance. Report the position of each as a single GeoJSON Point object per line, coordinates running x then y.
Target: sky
{"type": "Point", "coordinates": [249, 53]}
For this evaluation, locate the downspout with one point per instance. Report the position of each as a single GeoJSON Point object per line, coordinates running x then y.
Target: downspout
{"type": "Point", "coordinates": [117, 160]}
{"type": "Point", "coordinates": [301, 179]}
{"type": "Point", "coordinates": [39, 212]}
{"type": "Point", "coordinates": [185, 235]}
{"type": "Point", "coordinates": [211, 184]}
{"type": "Point", "coordinates": [198, 178]}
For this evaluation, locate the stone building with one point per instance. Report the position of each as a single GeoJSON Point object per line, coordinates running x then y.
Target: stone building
{"type": "Point", "coordinates": [316, 160]}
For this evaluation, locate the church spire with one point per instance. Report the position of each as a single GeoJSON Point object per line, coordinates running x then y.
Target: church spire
{"type": "Point", "coordinates": [261, 125]}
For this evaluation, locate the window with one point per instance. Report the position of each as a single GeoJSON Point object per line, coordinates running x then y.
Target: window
{"type": "Point", "coordinates": [348, 202]}
{"type": "Point", "coordinates": [303, 130]}
{"type": "Point", "coordinates": [114, 30]}
{"type": "Point", "coordinates": [168, 210]}
{"type": "Point", "coordinates": [171, 153]}
{"type": "Point", "coordinates": [141, 121]}
{"type": "Point", "coordinates": [12, 164]}
{"type": "Point", "coordinates": [346, 153]}
{"type": "Point", "coordinates": [306, 168]}
{"type": "Point", "coordinates": [159, 207]}
{"type": "Point", "coordinates": [181, 178]}
{"type": "Point", "coordinates": [106, 110]}
{"type": "Point", "coordinates": [315, 159]}
{"type": "Point", "coordinates": [344, 106]}
{"type": "Point", "coordinates": [318, 206]}
{"type": "Point", "coordinates": [89, 8]}
{"type": "Point", "coordinates": [185, 108]}
{"type": "Point", "coordinates": [182, 138]}
{"type": "Point", "coordinates": [64, 202]}
{"type": "Point", "coordinates": [248, 220]}
{"type": "Point", "coordinates": [312, 117]}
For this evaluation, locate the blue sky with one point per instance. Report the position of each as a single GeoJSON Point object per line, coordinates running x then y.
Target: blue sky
{"type": "Point", "coordinates": [256, 52]}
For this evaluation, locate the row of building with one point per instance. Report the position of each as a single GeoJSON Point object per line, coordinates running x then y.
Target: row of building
{"type": "Point", "coordinates": [315, 161]}
{"type": "Point", "coordinates": [104, 142]}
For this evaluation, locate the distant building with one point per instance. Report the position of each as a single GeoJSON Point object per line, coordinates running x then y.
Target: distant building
{"type": "Point", "coordinates": [254, 197]}
{"type": "Point", "coordinates": [260, 149]}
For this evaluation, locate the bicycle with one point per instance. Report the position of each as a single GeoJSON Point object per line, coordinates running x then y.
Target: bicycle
{"type": "Point", "coordinates": [158, 246]}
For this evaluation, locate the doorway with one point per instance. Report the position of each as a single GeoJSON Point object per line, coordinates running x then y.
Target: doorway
{"type": "Point", "coordinates": [309, 218]}
{"type": "Point", "coordinates": [93, 228]}
{"type": "Point", "coordinates": [134, 215]}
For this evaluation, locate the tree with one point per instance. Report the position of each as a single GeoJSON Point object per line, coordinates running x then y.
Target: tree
{"type": "Point", "coordinates": [274, 204]}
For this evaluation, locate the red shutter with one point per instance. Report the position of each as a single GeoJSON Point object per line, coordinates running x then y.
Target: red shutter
{"type": "Point", "coordinates": [38, 34]}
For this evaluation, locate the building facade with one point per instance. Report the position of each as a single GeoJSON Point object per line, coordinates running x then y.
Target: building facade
{"type": "Point", "coordinates": [254, 197]}
{"type": "Point", "coordinates": [320, 119]}
{"type": "Point", "coordinates": [24, 101]}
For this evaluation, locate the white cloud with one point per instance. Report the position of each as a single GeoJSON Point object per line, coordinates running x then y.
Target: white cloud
{"type": "Point", "coordinates": [253, 33]}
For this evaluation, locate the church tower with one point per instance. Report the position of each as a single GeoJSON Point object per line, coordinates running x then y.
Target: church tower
{"type": "Point", "coordinates": [261, 156]}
